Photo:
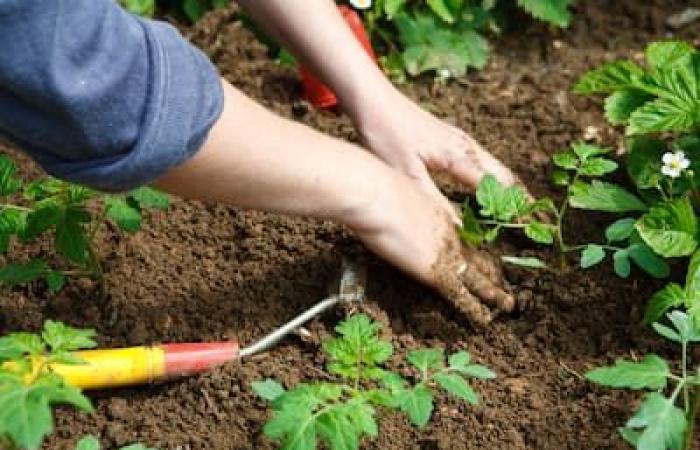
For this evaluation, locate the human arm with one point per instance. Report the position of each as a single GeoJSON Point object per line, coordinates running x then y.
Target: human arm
{"type": "Point", "coordinates": [391, 125]}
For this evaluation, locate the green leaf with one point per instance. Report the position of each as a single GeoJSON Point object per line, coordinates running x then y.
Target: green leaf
{"type": "Point", "coordinates": [539, 232]}
{"type": "Point", "coordinates": [620, 230]}
{"type": "Point", "coordinates": [566, 160]}
{"type": "Point", "coordinates": [471, 231]}
{"type": "Point", "coordinates": [664, 424]}
{"type": "Point", "coordinates": [148, 197]}
{"type": "Point", "coordinates": [144, 8]}
{"type": "Point", "coordinates": [40, 220]}
{"type": "Point", "coordinates": [441, 10]}
{"type": "Point", "coordinates": [597, 167]}
{"type": "Point", "coordinates": [457, 386]}
{"type": "Point", "coordinates": [648, 261]}
{"type": "Point", "coordinates": [55, 280]}
{"type": "Point", "coordinates": [685, 325]}
{"type": "Point", "coordinates": [25, 343]}
{"type": "Point", "coordinates": [71, 240]}
{"type": "Point", "coordinates": [629, 435]}
{"type": "Point", "coordinates": [553, 11]}
{"type": "Point", "coordinates": [666, 332]}
{"type": "Point", "coordinates": [137, 447]}
{"type": "Point", "coordinates": [500, 202]}
{"type": "Point", "coordinates": [459, 360]}
{"type": "Point", "coordinates": [644, 161]}
{"type": "Point", "coordinates": [670, 228]}
{"type": "Point", "coordinates": [417, 403]}
{"type": "Point", "coordinates": [393, 7]}
{"type": "Point", "coordinates": [430, 44]}
{"type": "Point", "coordinates": [9, 183]}
{"type": "Point", "coordinates": [621, 263]}
{"type": "Point", "coordinates": [524, 261]}
{"type": "Point", "coordinates": [126, 216]}
{"type": "Point", "coordinates": [650, 373]}
{"type": "Point", "coordinates": [61, 337]}
{"type": "Point", "coordinates": [663, 54]}
{"type": "Point", "coordinates": [561, 177]}
{"type": "Point", "coordinates": [609, 78]}
{"type": "Point", "coordinates": [585, 150]}
{"type": "Point", "coordinates": [358, 350]}
{"type": "Point", "coordinates": [194, 9]}
{"type": "Point", "coordinates": [591, 255]}
{"type": "Point", "coordinates": [663, 115]}
{"type": "Point", "coordinates": [478, 371]}
{"type": "Point", "coordinates": [17, 273]}
{"type": "Point", "coordinates": [343, 425]}
{"type": "Point", "coordinates": [268, 389]}
{"type": "Point", "coordinates": [427, 358]}
{"type": "Point", "coordinates": [603, 196]}
{"type": "Point", "coordinates": [88, 443]}
{"type": "Point", "coordinates": [621, 104]}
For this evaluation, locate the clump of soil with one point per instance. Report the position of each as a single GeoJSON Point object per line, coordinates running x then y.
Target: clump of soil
{"type": "Point", "coordinates": [204, 272]}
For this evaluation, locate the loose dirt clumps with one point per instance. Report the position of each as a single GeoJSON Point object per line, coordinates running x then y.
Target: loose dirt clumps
{"type": "Point", "coordinates": [204, 272]}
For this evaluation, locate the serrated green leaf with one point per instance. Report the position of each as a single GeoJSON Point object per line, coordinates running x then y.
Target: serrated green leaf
{"type": "Point", "coordinates": [471, 231]}
{"type": "Point", "coordinates": [71, 240]}
{"type": "Point", "coordinates": [648, 261]}
{"type": "Point", "coordinates": [663, 115]}
{"type": "Point", "coordinates": [478, 371]}
{"type": "Point", "coordinates": [663, 54]}
{"type": "Point", "coordinates": [440, 8]}
{"type": "Point", "coordinates": [584, 150]}
{"type": "Point", "coordinates": [539, 232]}
{"type": "Point", "coordinates": [268, 389]}
{"type": "Point", "coordinates": [621, 263]}
{"type": "Point", "coordinates": [393, 7]}
{"type": "Point", "coordinates": [148, 197]}
{"type": "Point", "coordinates": [666, 332]}
{"type": "Point", "coordinates": [457, 386]}
{"type": "Point", "coordinates": [649, 373]}
{"type": "Point", "coordinates": [602, 196]}
{"type": "Point", "coordinates": [670, 296]}
{"type": "Point", "coordinates": [670, 228]}
{"type": "Point", "coordinates": [459, 360]}
{"type": "Point", "coordinates": [685, 326]}
{"type": "Point", "coordinates": [417, 403]}
{"type": "Point", "coordinates": [566, 160]}
{"type": "Point", "coordinates": [620, 230]}
{"type": "Point", "coordinates": [608, 78]}
{"type": "Point", "coordinates": [126, 216]}
{"type": "Point", "coordinates": [664, 424]}
{"type": "Point", "coordinates": [644, 161]}
{"type": "Point", "coordinates": [40, 220]}
{"type": "Point", "coordinates": [524, 261]}
{"type": "Point", "coordinates": [21, 273]}
{"type": "Point", "coordinates": [621, 104]}
{"type": "Point", "coordinates": [9, 183]}
{"type": "Point", "coordinates": [597, 167]}
{"type": "Point", "coordinates": [427, 358]}
{"type": "Point", "coordinates": [194, 9]}
{"type": "Point", "coordinates": [500, 202]}
{"type": "Point", "coordinates": [591, 255]}
{"type": "Point", "coordinates": [561, 177]}
{"type": "Point", "coordinates": [553, 11]}
{"type": "Point", "coordinates": [55, 280]}
{"type": "Point", "coordinates": [61, 337]}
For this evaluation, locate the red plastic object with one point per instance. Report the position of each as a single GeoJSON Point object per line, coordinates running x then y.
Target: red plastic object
{"type": "Point", "coordinates": [193, 358]}
{"type": "Point", "coordinates": [317, 93]}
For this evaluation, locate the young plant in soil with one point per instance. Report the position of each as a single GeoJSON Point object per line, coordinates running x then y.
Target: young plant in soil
{"type": "Point", "coordinates": [72, 215]}
{"type": "Point", "coordinates": [91, 443]}
{"type": "Point", "coordinates": [578, 171]}
{"type": "Point", "coordinates": [340, 413]}
{"type": "Point", "coordinates": [666, 417]}
{"type": "Point", "coordinates": [28, 388]}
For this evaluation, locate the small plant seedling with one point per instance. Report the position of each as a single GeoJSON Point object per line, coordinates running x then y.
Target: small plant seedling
{"type": "Point", "coordinates": [66, 212]}
{"type": "Point", "coordinates": [662, 421]}
{"type": "Point", "coordinates": [91, 443]}
{"type": "Point", "coordinates": [578, 171]}
{"type": "Point", "coordinates": [28, 388]}
{"type": "Point", "coordinates": [340, 413]}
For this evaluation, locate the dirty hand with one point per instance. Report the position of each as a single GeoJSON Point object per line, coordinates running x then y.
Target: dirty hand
{"type": "Point", "coordinates": [410, 229]}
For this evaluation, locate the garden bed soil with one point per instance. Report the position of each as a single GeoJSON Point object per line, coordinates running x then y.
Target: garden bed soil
{"type": "Point", "coordinates": [208, 272]}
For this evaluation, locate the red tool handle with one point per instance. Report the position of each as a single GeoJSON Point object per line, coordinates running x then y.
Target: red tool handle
{"type": "Point", "coordinates": [317, 93]}
{"type": "Point", "coordinates": [191, 358]}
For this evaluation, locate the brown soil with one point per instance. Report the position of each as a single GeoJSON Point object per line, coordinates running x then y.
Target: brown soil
{"type": "Point", "coordinates": [205, 272]}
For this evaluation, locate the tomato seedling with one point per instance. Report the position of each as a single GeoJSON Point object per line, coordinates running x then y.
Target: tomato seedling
{"type": "Point", "coordinates": [91, 443]}
{"type": "Point", "coordinates": [340, 413]}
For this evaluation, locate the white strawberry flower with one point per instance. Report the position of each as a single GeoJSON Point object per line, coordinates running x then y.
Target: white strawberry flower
{"type": "Point", "coordinates": [674, 163]}
{"type": "Point", "coordinates": [361, 4]}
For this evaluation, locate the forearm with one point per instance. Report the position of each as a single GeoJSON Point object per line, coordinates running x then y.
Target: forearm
{"type": "Point", "coordinates": [315, 32]}
{"type": "Point", "coordinates": [256, 159]}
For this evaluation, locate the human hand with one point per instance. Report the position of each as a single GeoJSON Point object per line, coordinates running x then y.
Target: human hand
{"type": "Point", "coordinates": [410, 229]}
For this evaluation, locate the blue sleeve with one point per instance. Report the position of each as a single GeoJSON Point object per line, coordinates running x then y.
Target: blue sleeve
{"type": "Point", "coordinates": [98, 96]}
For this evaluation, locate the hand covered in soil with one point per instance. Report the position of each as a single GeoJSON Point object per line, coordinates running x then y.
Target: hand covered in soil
{"type": "Point", "coordinates": [410, 229]}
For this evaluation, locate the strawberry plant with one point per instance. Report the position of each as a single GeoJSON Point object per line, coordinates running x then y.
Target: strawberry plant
{"type": "Point", "coordinates": [28, 388]}
{"type": "Point", "coordinates": [340, 412]}
{"type": "Point", "coordinates": [666, 417]}
{"type": "Point", "coordinates": [91, 443]}
{"type": "Point", "coordinates": [71, 216]}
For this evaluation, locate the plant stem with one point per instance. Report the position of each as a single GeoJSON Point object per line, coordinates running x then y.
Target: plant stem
{"type": "Point", "coordinates": [694, 407]}
{"type": "Point", "coordinates": [11, 206]}
{"type": "Point", "coordinates": [684, 375]}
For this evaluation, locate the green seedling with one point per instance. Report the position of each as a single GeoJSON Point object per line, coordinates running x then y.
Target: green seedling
{"type": "Point", "coordinates": [666, 417]}
{"type": "Point", "coordinates": [578, 171]}
{"type": "Point", "coordinates": [340, 413]}
{"type": "Point", "coordinates": [91, 443]}
{"type": "Point", "coordinates": [28, 388]}
{"type": "Point", "coordinates": [71, 215]}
